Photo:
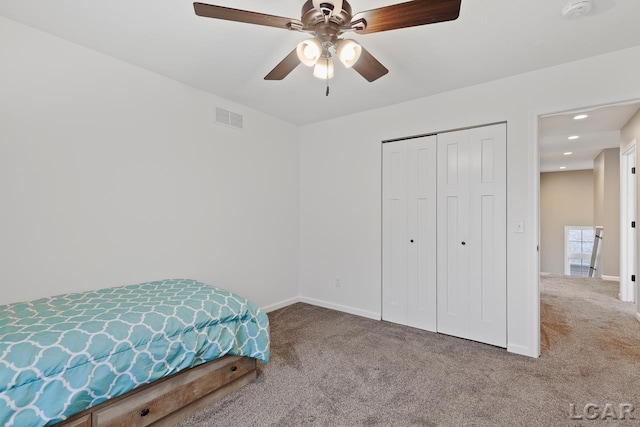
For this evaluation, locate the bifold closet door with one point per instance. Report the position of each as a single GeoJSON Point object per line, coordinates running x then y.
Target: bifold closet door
{"type": "Point", "coordinates": [409, 232]}
{"type": "Point", "coordinates": [471, 270]}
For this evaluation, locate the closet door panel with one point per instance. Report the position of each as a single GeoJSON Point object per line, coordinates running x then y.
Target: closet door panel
{"type": "Point", "coordinates": [472, 234]}
{"type": "Point", "coordinates": [394, 232]}
{"type": "Point", "coordinates": [421, 285]}
{"type": "Point", "coordinates": [488, 282]}
{"type": "Point", "coordinates": [452, 220]}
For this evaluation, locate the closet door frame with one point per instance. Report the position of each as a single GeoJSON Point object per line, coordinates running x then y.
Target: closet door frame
{"type": "Point", "coordinates": [471, 330]}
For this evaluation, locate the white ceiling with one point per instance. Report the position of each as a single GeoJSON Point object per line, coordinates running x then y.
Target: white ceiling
{"type": "Point", "coordinates": [490, 40]}
{"type": "Point", "coordinates": [600, 130]}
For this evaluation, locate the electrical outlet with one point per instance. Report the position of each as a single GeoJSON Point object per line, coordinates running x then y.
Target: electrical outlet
{"type": "Point", "coordinates": [338, 282]}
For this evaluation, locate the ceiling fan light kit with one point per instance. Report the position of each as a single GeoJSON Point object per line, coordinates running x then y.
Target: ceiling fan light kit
{"type": "Point", "coordinates": [309, 51]}
{"type": "Point", "coordinates": [348, 52]}
{"type": "Point", "coordinates": [327, 20]}
{"type": "Point", "coordinates": [323, 69]}
{"type": "Point", "coordinates": [314, 54]}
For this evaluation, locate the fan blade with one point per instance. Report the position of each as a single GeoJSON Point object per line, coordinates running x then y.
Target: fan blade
{"type": "Point", "coordinates": [285, 66]}
{"type": "Point", "coordinates": [408, 14]}
{"type": "Point", "coordinates": [369, 67]}
{"type": "Point", "coordinates": [229, 14]}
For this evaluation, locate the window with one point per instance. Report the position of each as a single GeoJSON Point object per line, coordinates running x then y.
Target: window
{"type": "Point", "coordinates": [578, 247]}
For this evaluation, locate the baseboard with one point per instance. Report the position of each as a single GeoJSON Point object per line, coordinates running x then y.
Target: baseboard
{"type": "Point", "coordinates": [521, 350]}
{"type": "Point", "coordinates": [512, 348]}
{"type": "Point", "coordinates": [611, 278]}
{"type": "Point", "coordinates": [343, 308]}
{"type": "Point", "coordinates": [280, 304]}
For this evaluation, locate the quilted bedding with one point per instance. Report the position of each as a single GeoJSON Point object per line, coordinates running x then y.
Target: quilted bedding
{"type": "Point", "coordinates": [64, 354]}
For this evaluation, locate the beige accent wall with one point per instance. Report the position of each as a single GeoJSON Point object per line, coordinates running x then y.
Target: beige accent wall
{"type": "Point", "coordinates": [566, 198]}
{"type": "Point", "coordinates": [598, 189]}
{"type": "Point", "coordinates": [606, 208]}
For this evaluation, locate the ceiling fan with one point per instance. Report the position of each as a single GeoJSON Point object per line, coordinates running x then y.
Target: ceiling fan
{"type": "Point", "coordinates": [327, 20]}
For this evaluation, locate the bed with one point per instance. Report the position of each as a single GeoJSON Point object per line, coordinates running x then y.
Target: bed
{"type": "Point", "coordinates": [106, 357]}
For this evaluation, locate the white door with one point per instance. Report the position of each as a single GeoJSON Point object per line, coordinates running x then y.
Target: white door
{"type": "Point", "coordinates": [471, 217]}
{"type": "Point", "coordinates": [409, 232]}
{"type": "Point", "coordinates": [628, 200]}
{"type": "Point", "coordinates": [395, 229]}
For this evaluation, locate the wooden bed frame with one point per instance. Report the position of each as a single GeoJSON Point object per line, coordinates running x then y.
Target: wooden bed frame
{"type": "Point", "coordinates": [172, 399]}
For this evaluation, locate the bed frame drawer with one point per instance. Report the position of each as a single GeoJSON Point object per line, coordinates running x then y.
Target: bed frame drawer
{"type": "Point", "coordinates": [170, 400]}
{"type": "Point", "coordinates": [162, 403]}
{"type": "Point", "coordinates": [84, 421]}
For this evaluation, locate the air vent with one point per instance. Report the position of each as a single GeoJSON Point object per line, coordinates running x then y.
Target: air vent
{"type": "Point", "coordinates": [229, 118]}
{"type": "Point", "coordinates": [235, 120]}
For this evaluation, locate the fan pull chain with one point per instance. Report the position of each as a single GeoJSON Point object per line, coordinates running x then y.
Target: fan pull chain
{"type": "Point", "coordinates": [327, 92]}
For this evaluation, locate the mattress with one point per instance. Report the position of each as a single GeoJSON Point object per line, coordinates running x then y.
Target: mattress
{"type": "Point", "coordinates": [64, 354]}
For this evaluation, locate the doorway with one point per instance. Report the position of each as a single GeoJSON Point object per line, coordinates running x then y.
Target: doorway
{"type": "Point", "coordinates": [558, 161]}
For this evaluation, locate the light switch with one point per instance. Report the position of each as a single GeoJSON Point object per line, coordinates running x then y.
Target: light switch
{"type": "Point", "coordinates": [518, 226]}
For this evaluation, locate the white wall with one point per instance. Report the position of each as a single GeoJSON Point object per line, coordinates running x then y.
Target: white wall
{"type": "Point", "coordinates": [113, 175]}
{"type": "Point", "coordinates": [340, 178]}
{"type": "Point", "coordinates": [100, 160]}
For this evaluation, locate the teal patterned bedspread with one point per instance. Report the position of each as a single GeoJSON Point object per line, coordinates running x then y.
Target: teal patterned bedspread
{"type": "Point", "coordinates": [64, 354]}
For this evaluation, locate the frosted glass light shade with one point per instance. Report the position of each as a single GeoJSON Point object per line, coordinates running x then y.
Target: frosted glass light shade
{"type": "Point", "coordinates": [323, 68]}
{"type": "Point", "coordinates": [348, 52]}
{"type": "Point", "coordinates": [309, 51]}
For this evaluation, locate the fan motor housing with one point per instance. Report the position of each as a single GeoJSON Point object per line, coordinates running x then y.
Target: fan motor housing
{"type": "Point", "coordinates": [327, 33]}
{"type": "Point", "coordinates": [326, 8]}
{"type": "Point", "coordinates": [311, 16]}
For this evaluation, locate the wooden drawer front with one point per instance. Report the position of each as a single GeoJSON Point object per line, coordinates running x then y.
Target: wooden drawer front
{"type": "Point", "coordinates": [150, 405]}
{"type": "Point", "coordinates": [84, 421]}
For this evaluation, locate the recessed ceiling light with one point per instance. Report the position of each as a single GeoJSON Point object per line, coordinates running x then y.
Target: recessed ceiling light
{"type": "Point", "coordinates": [563, 167]}
{"type": "Point", "coordinates": [580, 117]}
{"type": "Point", "coordinates": [568, 153]}
{"type": "Point", "coordinates": [573, 137]}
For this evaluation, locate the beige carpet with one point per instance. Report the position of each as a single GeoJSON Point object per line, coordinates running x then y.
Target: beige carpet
{"type": "Point", "coordinates": [334, 369]}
